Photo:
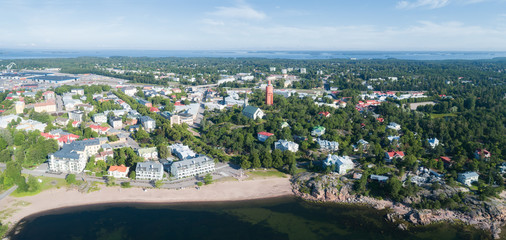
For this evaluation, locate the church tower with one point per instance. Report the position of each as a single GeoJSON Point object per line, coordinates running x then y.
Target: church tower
{"type": "Point", "coordinates": [269, 94]}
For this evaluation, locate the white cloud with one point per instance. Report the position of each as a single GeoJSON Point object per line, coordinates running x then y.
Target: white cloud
{"type": "Point", "coordinates": [431, 4]}
{"type": "Point", "coordinates": [240, 11]}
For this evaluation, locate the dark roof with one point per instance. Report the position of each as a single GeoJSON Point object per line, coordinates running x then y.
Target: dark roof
{"type": "Point", "coordinates": [70, 150]}
{"type": "Point", "coordinates": [250, 110]}
{"type": "Point", "coordinates": [55, 78]}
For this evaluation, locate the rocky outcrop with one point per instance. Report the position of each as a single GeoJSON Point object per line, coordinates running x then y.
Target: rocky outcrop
{"type": "Point", "coordinates": [488, 215]}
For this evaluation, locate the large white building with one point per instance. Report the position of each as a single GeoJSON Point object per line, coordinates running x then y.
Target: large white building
{"type": "Point", "coordinates": [342, 163]}
{"type": "Point", "coordinates": [118, 171]}
{"type": "Point", "coordinates": [192, 167]}
{"type": "Point", "coordinates": [328, 145]}
{"type": "Point", "coordinates": [149, 171]}
{"type": "Point", "coordinates": [468, 177]}
{"type": "Point", "coordinates": [100, 118]}
{"type": "Point", "coordinates": [253, 112]}
{"type": "Point", "coordinates": [285, 145]}
{"type": "Point", "coordinates": [72, 158]}
{"type": "Point", "coordinates": [182, 151]}
{"type": "Point", "coordinates": [148, 123]}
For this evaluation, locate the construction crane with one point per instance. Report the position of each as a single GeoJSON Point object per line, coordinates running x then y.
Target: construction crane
{"type": "Point", "coordinates": [10, 66]}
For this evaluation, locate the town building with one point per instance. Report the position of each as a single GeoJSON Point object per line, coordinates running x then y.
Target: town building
{"type": "Point", "coordinates": [149, 171]}
{"type": "Point", "coordinates": [145, 103]}
{"type": "Point", "coordinates": [192, 167]}
{"type": "Point", "coordinates": [118, 171]}
{"type": "Point", "coordinates": [72, 158]}
{"type": "Point", "coordinates": [148, 153]}
{"type": "Point", "coordinates": [116, 122]}
{"type": "Point", "coordinates": [54, 79]}
{"type": "Point", "coordinates": [318, 131]}
{"type": "Point", "coordinates": [48, 95]}
{"type": "Point", "coordinates": [263, 136]}
{"type": "Point", "coordinates": [48, 106]}
{"type": "Point", "coordinates": [5, 120]}
{"type": "Point", "coordinates": [99, 118]}
{"type": "Point", "coordinates": [129, 91]}
{"type": "Point", "coordinates": [76, 115]}
{"type": "Point", "coordinates": [269, 94]}
{"type": "Point", "coordinates": [20, 107]}
{"type": "Point", "coordinates": [390, 156]}
{"type": "Point", "coordinates": [379, 178]}
{"type": "Point", "coordinates": [104, 154]}
{"type": "Point", "coordinates": [468, 178]}
{"type": "Point", "coordinates": [341, 163]}
{"type": "Point", "coordinates": [148, 123]}
{"type": "Point", "coordinates": [181, 118]}
{"type": "Point", "coordinates": [182, 151]}
{"type": "Point", "coordinates": [285, 145]}
{"type": "Point", "coordinates": [328, 145]}
{"type": "Point", "coordinates": [361, 143]}
{"type": "Point", "coordinates": [253, 112]}
{"type": "Point", "coordinates": [31, 125]}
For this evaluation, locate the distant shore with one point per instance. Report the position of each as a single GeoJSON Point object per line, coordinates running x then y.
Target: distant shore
{"type": "Point", "coordinates": [53, 199]}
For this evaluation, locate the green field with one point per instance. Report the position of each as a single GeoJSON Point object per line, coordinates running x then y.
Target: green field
{"type": "Point", "coordinates": [47, 183]}
{"type": "Point", "coordinates": [265, 174]}
{"type": "Point", "coordinates": [442, 115]}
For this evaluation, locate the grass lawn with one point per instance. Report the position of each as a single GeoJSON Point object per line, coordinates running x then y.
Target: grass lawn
{"type": "Point", "coordinates": [47, 183]}
{"type": "Point", "coordinates": [442, 115]}
{"type": "Point", "coordinates": [270, 173]}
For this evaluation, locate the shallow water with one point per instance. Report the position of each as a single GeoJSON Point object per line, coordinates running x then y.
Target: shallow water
{"type": "Point", "coordinates": [280, 218]}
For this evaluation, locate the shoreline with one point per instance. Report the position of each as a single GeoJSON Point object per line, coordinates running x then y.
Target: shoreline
{"type": "Point", "coordinates": [18, 209]}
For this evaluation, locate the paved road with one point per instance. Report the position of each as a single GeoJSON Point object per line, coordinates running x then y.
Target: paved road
{"type": "Point", "coordinates": [8, 192]}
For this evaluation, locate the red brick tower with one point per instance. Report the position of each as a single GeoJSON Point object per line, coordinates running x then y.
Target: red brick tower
{"type": "Point", "coordinates": [269, 94]}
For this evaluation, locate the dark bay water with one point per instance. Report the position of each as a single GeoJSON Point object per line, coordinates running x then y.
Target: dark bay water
{"type": "Point", "coordinates": [282, 218]}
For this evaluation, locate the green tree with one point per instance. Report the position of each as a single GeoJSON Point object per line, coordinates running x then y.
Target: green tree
{"type": "Point", "coordinates": [208, 179]}
{"type": "Point", "coordinates": [71, 179]}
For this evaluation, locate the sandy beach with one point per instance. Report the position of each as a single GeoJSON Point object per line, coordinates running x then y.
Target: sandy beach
{"type": "Point", "coordinates": [223, 191]}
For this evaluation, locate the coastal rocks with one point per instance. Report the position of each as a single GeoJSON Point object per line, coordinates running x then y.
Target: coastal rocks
{"type": "Point", "coordinates": [487, 215]}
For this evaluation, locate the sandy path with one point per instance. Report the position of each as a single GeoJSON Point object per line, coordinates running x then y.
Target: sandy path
{"type": "Point", "coordinates": [225, 191]}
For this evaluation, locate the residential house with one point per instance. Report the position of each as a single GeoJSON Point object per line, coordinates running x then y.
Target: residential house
{"type": "Point", "coordinates": [104, 155]}
{"type": "Point", "coordinates": [192, 167]}
{"type": "Point", "coordinates": [468, 178]}
{"type": "Point", "coordinates": [390, 156]}
{"type": "Point", "coordinates": [394, 126]}
{"type": "Point", "coordinates": [341, 163]}
{"type": "Point", "coordinates": [253, 112]}
{"type": "Point", "coordinates": [61, 121]}
{"type": "Point", "coordinates": [116, 122]}
{"type": "Point", "coordinates": [379, 178]}
{"type": "Point", "coordinates": [285, 145]}
{"type": "Point", "coordinates": [262, 136]}
{"type": "Point", "coordinates": [78, 91]}
{"type": "Point", "coordinates": [318, 131]}
{"type": "Point", "coordinates": [361, 143]}
{"type": "Point", "coordinates": [284, 125]}
{"type": "Point", "coordinates": [446, 160]}
{"type": "Point", "coordinates": [148, 123]}
{"type": "Point", "coordinates": [149, 171]}
{"type": "Point", "coordinates": [433, 142]}
{"type": "Point", "coordinates": [145, 103]}
{"type": "Point", "coordinates": [118, 171]}
{"type": "Point", "coordinates": [182, 151]}
{"type": "Point", "coordinates": [324, 114]}
{"type": "Point", "coordinates": [482, 154]}
{"type": "Point", "coordinates": [19, 106]}
{"type": "Point", "coordinates": [99, 129]}
{"type": "Point", "coordinates": [328, 145]}
{"type": "Point", "coordinates": [76, 115]}
{"type": "Point", "coordinates": [148, 153]}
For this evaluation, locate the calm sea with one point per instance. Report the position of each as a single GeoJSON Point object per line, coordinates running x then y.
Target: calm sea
{"type": "Point", "coordinates": [410, 55]}
{"type": "Point", "coordinates": [277, 219]}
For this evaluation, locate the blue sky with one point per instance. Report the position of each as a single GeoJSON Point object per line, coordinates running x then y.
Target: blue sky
{"type": "Point", "coordinates": [432, 25]}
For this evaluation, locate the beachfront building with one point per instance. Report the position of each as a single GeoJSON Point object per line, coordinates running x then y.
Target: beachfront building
{"type": "Point", "coordinates": [341, 164]}
{"type": "Point", "coordinates": [148, 153]}
{"type": "Point", "coordinates": [118, 171]}
{"type": "Point", "coordinates": [149, 171]}
{"type": "Point", "coordinates": [182, 151]}
{"type": "Point", "coordinates": [72, 157]}
{"type": "Point", "coordinates": [192, 167]}
{"type": "Point", "coordinates": [327, 145]}
{"type": "Point", "coordinates": [285, 145]}
{"type": "Point", "coordinates": [468, 178]}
